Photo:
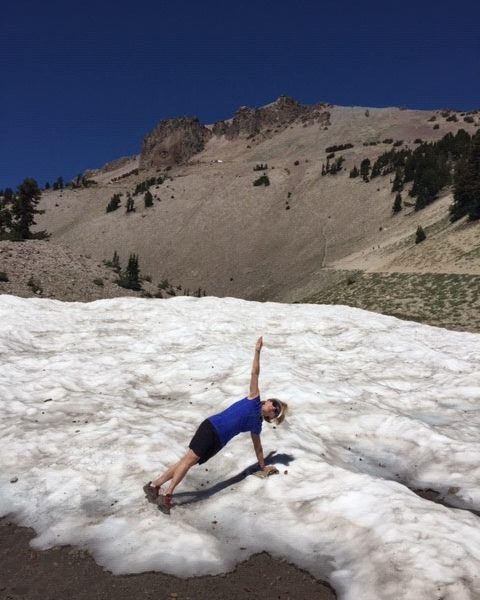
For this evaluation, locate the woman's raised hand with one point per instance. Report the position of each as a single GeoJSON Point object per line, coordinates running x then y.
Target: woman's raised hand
{"type": "Point", "coordinates": [259, 344]}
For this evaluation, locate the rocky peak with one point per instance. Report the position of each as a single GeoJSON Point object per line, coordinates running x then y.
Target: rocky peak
{"type": "Point", "coordinates": [277, 115]}
{"type": "Point", "coordinates": [285, 103]}
{"type": "Point", "coordinates": [173, 142]}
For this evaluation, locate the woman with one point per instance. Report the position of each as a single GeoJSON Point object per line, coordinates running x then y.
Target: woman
{"type": "Point", "coordinates": [216, 431]}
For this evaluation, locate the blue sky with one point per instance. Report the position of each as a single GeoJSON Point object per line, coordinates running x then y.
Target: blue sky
{"type": "Point", "coordinates": [82, 84]}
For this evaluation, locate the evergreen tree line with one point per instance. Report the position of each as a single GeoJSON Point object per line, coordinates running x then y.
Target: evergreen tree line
{"type": "Point", "coordinates": [18, 210]}
{"type": "Point", "coordinates": [338, 147]}
{"type": "Point", "coordinates": [80, 181]}
{"type": "Point", "coordinates": [57, 185]}
{"type": "Point", "coordinates": [129, 278]}
{"type": "Point", "coordinates": [466, 198]}
{"type": "Point", "coordinates": [431, 167]}
{"type": "Point", "coordinates": [115, 202]}
{"type": "Point", "coordinates": [143, 187]}
{"type": "Point", "coordinates": [132, 172]}
{"type": "Point", "coordinates": [428, 167]}
{"type": "Point", "coordinates": [332, 168]}
{"type": "Point", "coordinates": [364, 170]}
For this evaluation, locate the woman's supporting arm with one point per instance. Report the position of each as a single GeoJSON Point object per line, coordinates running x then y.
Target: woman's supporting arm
{"type": "Point", "coordinates": [257, 445]}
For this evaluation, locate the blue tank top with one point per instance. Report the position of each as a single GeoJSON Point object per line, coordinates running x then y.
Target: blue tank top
{"type": "Point", "coordinates": [244, 415]}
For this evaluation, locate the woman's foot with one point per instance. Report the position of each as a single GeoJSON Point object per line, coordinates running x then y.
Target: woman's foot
{"type": "Point", "coordinates": [165, 503]}
{"type": "Point", "coordinates": [151, 492]}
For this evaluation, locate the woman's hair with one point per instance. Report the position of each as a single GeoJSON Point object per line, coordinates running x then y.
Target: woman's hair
{"type": "Point", "coordinates": [283, 411]}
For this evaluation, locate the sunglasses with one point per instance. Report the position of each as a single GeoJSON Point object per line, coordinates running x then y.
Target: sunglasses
{"type": "Point", "coordinates": [276, 407]}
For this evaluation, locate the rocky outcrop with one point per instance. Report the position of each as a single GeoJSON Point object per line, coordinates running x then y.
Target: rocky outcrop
{"type": "Point", "coordinates": [173, 142]}
{"type": "Point", "coordinates": [274, 117]}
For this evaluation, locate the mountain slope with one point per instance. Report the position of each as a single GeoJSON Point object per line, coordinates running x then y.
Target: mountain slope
{"type": "Point", "coordinates": [210, 227]}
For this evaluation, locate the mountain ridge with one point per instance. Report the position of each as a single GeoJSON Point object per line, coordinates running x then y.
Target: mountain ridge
{"type": "Point", "coordinates": [211, 227]}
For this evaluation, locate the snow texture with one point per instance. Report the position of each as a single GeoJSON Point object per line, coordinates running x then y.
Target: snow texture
{"type": "Point", "coordinates": [99, 398]}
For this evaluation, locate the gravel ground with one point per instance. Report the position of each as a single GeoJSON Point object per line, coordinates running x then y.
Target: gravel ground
{"type": "Point", "coordinates": [43, 269]}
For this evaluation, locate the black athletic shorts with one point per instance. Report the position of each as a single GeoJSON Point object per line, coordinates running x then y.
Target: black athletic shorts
{"type": "Point", "coordinates": [205, 443]}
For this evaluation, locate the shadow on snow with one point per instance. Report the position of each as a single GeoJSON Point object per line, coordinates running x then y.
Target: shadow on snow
{"type": "Point", "coordinates": [183, 498]}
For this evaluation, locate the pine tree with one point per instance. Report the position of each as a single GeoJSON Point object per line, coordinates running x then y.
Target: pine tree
{"type": "Point", "coordinates": [354, 172]}
{"type": "Point", "coordinates": [397, 182]}
{"type": "Point", "coordinates": [263, 180]}
{"type": "Point", "coordinates": [148, 199]}
{"type": "Point", "coordinates": [5, 217]}
{"type": "Point", "coordinates": [24, 208]}
{"type": "Point", "coordinates": [420, 235]}
{"type": "Point", "coordinates": [375, 170]}
{"type": "Point", "coordinates": [114, 203]}
{"type": "Point", "coordinates": [130, 205]}
{"type": "Point", "coordinates": [131, 278]}
{"type": "Point", "coordinates": [58, 185]}
{"type": "Point", "coordinates": [8, 194]}
{"type": "Point", "coordinates": [115, 263]}
{"type": "Point", "coordinates": [365, 168]}
{"type": "Point", "coordinates": [397, 204]}
{"type": "Point", "coordinates": [422, 198]}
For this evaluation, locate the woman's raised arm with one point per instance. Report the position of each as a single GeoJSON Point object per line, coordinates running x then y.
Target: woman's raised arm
{"type": "Point", "coordinates": [254, 391]}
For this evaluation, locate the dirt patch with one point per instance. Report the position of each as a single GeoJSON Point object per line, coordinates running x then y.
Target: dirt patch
{"type": "Point", "coordinates": [70, 573]}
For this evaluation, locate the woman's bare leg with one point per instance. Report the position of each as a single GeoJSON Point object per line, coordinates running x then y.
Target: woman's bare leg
{"type": "Point", "coordinates": [181, 469]}
{"type": "Point", "coordinates": [177, 471]}
{"type": "Point", "coordinates": [166, 476]}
